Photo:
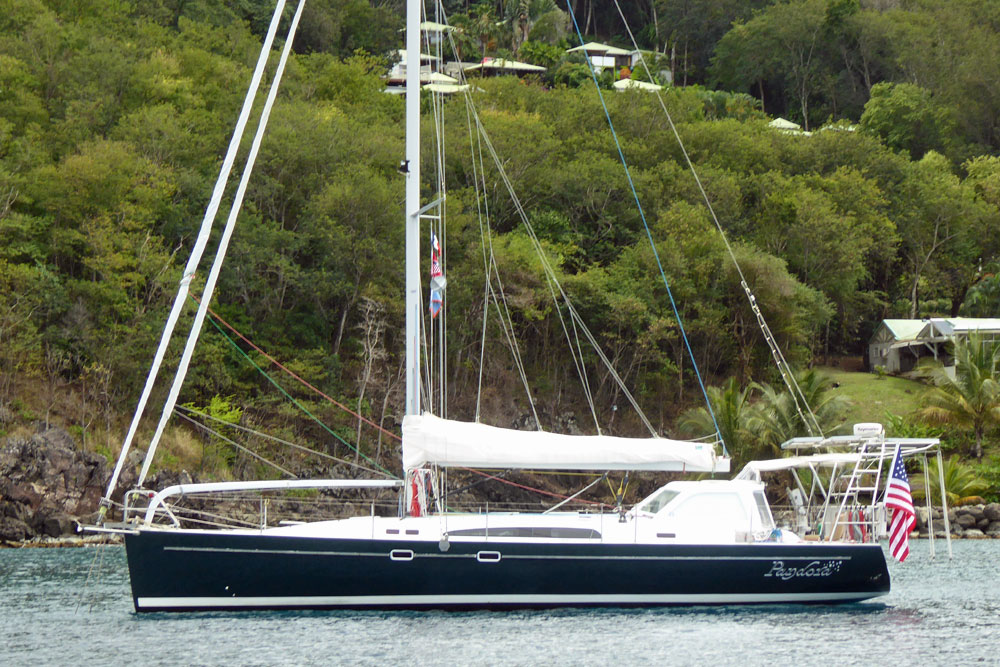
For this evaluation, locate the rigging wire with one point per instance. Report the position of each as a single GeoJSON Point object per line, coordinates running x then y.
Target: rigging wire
{"type": "Point", "coordinates": [575, 495]}
{"type": "Point", "coordinates": [503, 311]}
{"type": "Point", "coordinates": [784, 368]}
{"type": "Point", "coordinates": [286, 443]}
{"type": "Point", "coordinates": [486, 274]}
{"type": "Point", "coordinates": [296, 402]}
{"type": "Point", "coordinates": [528, 488]}
{"type": "Point", "coordinates": [201, 242]}
{"type": "Point", "coordinates": [235, 444]}
{"type": "Point", "coordinates": [546, 265]}
{"type": "Point", "coordinates": [482, 202]}
{"type": "Point", "coordinates": [227, 232]}
{"type": "Point", "coordinates": [649, 235]}
{"type": "Point", "coordinates": [293, 375]}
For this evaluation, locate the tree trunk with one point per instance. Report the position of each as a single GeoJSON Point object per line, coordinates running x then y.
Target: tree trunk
{"type": "Point", "coordinates": [685, 63]}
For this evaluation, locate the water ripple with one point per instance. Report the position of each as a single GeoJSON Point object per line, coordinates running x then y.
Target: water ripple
{"type": "Point", "coordinates": [939, 612]}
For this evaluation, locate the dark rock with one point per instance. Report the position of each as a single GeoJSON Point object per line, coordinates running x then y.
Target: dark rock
{"type": "Point", "coordinates": [976, 511]}
{"type": "Point", "coordinates": [966, 521]}
{"type": "Point", "coordinates": [15, 510]}
{"type": "Point", "coordinates": [993, 529]}
{"type": "Point", "coordinates": [45, 481]}
{"type": "Point", "coordinates": [982, 524]}
{"type": "Point", "coordinates": [129, 475]}
{"type": "Point", "coordinates": [13, 530]}
{"type": "Point", "coordinates": [567, 424]}
{"type": "Point", "coordinates": [992, 511]}
{"type": "Point", "coordinates": [56, 438]}
{"type": "Point", "coordinates": [56, 525]}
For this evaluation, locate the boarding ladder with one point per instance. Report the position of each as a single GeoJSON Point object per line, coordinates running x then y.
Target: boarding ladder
{"type": "Point", "coordinates": [855, 521]}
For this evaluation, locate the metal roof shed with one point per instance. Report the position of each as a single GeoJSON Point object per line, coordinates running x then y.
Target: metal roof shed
{"type": "Point", "coordinates": [894, 346]}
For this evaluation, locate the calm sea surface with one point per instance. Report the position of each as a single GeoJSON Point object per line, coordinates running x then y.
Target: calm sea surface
{"type": "Point", "coordinates": [72, 606]}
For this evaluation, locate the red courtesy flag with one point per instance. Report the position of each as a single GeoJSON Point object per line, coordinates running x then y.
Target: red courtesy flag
{"type": "Point", "coordinates": [898, 499]}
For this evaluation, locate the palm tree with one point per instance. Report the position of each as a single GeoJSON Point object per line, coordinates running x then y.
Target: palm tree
{"type": "Point", "coordinates": [960, 482]}
{"type": "Point", "coordinates": [734, 414]}
{"type": "Point", "coordinates": [779, 416]}
{"type": "Point", "coordinates": [522, 15]}
{"type": "Point", "coordinates": [969, 398]}
{"type": "Point", "coordinates": [754, 430]}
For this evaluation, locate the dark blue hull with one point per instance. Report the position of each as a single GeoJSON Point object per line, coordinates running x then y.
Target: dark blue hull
{"type": "Point", "coordinates": [190, 571]}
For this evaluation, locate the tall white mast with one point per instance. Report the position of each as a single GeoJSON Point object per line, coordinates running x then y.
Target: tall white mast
{"type": "Point", "coordinates": [413, 300]}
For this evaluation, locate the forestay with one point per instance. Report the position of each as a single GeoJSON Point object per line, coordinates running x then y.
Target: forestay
{"type": "Point", "coordinates": [430, 440]}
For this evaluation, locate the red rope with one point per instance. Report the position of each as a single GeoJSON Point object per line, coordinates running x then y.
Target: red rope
{"type": "Point", "coordinates": [529, 488]}
{"type": "Point", "coordinates": [296, 377]}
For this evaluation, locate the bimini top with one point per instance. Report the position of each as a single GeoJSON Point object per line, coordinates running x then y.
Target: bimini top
{"type": "Point", "coordinates": [430, 440]}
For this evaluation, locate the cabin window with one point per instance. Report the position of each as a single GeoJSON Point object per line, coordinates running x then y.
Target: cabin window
{"type": "Point", "coordinates": [721, 506]}
{"type": "Point", "coordinates": [767, 521]}
{"type": "Point", "coordinates": [659, 501]}
{"type": "Point", "coordinates": [537, 532]}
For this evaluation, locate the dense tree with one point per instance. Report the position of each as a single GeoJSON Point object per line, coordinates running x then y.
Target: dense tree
{"type": "Point", "coordinates": [114, 116]}
{"type": "Point", "coordinates": [906, 118]}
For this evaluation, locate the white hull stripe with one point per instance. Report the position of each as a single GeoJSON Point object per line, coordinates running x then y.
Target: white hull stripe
{"type": "Point", "coordinates": [385, 554]}
{"type": "Point", "coordinates": [486, 600]}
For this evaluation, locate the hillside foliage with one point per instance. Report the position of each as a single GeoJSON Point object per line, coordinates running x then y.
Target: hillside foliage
{"type": "Point", "coordinates": [115, 114]}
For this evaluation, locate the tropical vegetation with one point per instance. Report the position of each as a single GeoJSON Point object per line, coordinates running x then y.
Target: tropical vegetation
{"type": "Point", "coordinates": [960, 482]}
{"type": "Point", "coordinates": [114, 115]}
{"type": "Point", "coordinates": [967, 395]}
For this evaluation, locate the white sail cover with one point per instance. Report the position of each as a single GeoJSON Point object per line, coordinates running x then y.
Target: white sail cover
{"type": "Point", "coordinates": [430, 440]}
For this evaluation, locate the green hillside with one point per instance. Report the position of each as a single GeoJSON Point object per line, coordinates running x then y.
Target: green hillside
{"type": "Point", "coordinates": [115, 115]}
{"type": "Point", "coordinates": [869, 397]}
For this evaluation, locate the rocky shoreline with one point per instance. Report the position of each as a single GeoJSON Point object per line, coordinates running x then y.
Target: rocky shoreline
{"type": "Point", "coordinates": [973, 522]}
{"type": "Point", "coordinates": [48, 487]}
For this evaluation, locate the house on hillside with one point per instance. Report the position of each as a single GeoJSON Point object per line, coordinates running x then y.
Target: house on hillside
{"type": "Point", "coordinates": [397, 74]}
{"type": "Point", "coordinates": [603, 56]}
{"type": "Point", "coordinates": [898, 345]}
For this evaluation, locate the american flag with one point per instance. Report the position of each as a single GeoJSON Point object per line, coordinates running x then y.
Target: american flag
{"type": "Point", "coordinates": [898, 499]}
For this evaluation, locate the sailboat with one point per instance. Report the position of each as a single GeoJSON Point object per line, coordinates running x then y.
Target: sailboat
{"type": "Point", "coordinates": [689, 542]}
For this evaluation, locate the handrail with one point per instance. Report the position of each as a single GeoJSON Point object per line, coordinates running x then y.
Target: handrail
{"type": "Point", "coordinates": [157, 499]}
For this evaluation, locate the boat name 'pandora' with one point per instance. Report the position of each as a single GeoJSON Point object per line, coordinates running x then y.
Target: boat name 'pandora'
{"type": "Point", "coordinates": [813, 569]}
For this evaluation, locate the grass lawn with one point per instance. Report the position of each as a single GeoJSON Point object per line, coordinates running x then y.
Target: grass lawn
{"type": "Point", "coordinates": [870, 397]}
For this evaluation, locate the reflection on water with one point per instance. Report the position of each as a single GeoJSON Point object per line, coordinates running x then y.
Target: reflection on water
{"type": "Point", "coordinates": [64, 606]}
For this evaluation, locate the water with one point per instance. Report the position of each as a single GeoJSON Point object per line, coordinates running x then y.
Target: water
{"type": "Point", "coordinates": [942, 612]}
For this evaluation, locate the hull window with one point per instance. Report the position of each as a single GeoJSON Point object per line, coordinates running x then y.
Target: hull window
{"type": "Point", "coordinates": [536, 532]}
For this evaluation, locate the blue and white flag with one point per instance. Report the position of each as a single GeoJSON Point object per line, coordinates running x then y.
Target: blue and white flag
{"type": "Point", "coordinates": [437, 277]}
